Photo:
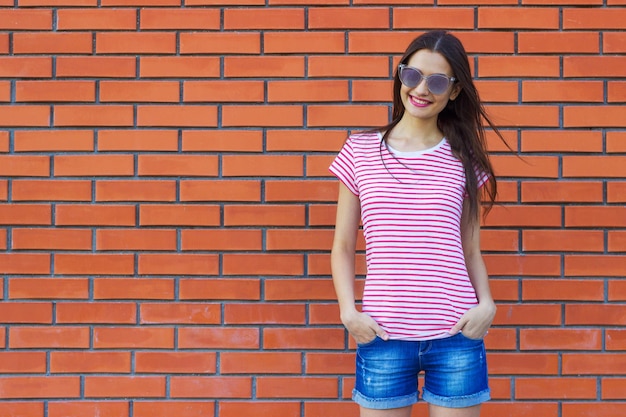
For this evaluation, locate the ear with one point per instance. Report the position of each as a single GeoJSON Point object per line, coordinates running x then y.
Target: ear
{"type": "Point", "coordinates": [456, 90]}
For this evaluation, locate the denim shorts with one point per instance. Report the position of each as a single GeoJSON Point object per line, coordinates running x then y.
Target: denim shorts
{"type": "Point", "coordinates": [455, 372]}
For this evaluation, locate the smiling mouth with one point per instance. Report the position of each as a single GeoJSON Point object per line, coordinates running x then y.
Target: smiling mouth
{"type": "Point", "coordinates": [418, 101]}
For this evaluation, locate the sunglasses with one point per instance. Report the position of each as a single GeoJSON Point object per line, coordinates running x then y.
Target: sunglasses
{"type": "Point", "coordinates": [412, 77]}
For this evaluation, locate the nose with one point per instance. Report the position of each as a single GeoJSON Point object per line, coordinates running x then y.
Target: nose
{"type": "Point", "coordinates": [422, 87]}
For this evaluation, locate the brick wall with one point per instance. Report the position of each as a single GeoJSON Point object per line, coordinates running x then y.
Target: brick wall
{"type": "Point", "coordinates": [166, 211]}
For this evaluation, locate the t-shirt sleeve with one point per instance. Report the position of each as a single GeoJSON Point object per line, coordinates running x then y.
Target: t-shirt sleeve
{"type": "Point", "coordinates": [343, 167]}
{"type": "Point", "coordinates": [481, 178]}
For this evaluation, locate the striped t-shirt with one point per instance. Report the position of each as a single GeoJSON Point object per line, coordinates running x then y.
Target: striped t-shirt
{"type": "Point", "coordinates": [417, 286]}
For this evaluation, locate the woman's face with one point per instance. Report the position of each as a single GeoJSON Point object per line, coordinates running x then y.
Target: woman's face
{"type": "Point", "coordinates": [419, 102]}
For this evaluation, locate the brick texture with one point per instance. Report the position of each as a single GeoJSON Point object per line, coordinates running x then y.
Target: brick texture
{"type": "Point", "coordinates": [166, 211]}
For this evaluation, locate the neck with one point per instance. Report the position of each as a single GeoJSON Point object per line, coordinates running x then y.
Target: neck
{"type": "Point", "coordinates": [411, 133]}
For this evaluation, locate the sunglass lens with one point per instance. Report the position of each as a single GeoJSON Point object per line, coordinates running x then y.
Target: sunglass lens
{"type": "Point", "coordinates": [410, 76]}
{"type": "Point", "coordinates": [437, 84]}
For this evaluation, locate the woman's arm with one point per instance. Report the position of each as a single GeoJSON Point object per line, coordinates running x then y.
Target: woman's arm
{"type": "Point", "coordinates": [361, 326]}
{"type": "Point", "coordinates": [477, 320]}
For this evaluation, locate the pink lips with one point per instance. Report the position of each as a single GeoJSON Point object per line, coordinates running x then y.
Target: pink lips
{"type": "Point", "coordinates": [422, 103]}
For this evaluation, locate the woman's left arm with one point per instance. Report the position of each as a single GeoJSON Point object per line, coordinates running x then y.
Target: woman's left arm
{"type": "Point", "coordinates": [476, 321]}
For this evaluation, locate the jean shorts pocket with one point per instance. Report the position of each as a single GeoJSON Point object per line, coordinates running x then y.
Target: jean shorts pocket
{"type": "Point", "coordinates": [480, 339]}
{"type": "Point", "coordinates": [370, 343]}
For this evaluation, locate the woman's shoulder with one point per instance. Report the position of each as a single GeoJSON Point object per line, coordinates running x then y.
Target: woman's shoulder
{"type": "Point", "coordinates": [365, 139]}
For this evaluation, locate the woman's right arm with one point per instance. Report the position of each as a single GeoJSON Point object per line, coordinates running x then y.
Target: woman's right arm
{"type": "Point", "coordinates": [360, 325]}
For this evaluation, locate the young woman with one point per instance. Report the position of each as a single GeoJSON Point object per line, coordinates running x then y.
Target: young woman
{"type": "Point", "coordinates": [416, 186]}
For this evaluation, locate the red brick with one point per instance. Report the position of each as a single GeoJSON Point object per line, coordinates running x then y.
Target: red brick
{"type": "Point", "coordinates": [594, 363]}
{"type": "Point", "coordinates": [522, 409]}
{"type": "Point", "coordinates": [616, 92]}
{"type": "Point", "coordinates": [135, 239]}
{"type": "Point", "coordinates": [528, 314]}
{"type": "Point", "coordinates": [561, 339]}
{"type": "Point", "coordinates": [81, 408]}
{"type": "Point", "coordinates": [22, 387]}
{"type": "Point", "coordinates": [135, 190]}
{"type": "Point", "coordinates": [616, 141]}
{"type": "Point", "coordinates": [562, 91]}
{"type": "Point", "coordinates": [24, 166]}
{"type": "Point", "coordinates": [23, 409]}
{"type": "Point", "coordinates": [249, 18]}
{"type": "Point", "coordinates": [533, 265]}
{"type": "Point", "coordinates": [558, 42]}
{"type": "Point", "coordinates": [90, 362]}
{"type": "Point", "coordinates": [180, 313]}
{"type": "Point", "coordinates": [25, 115]}
{"type": "Point", "coordinates": [499, 240]}
{"type": "Point", "coordinates": [102, 312]}
{"type": "Point", "coordinates": [218, 338]}
{"type": "Point", "coordinates": [526, 215]}
{"type": "Point", "coordinates": [24, 19]}
{"type": "Point", "coordinates": [220, 43]}
{"type": "Point", "coordinates": [177, 165]}
{"type": "Point", "coordinates": [263, 264]}
{"type": "Point", "coordinates": [299, 289]}
{"type": "Point", "coordinates": [261, 408]}
{"type": "Point", "coordinates": [173, 408]}
{"type": "Point", "coordinates": [222, 141]}
{"type": "Point", "coordinates": [604, 19]}
{"type": "Point", "coordinates": [123, 386]}
{"type": "Point", "coordinates": [250, 115]}
{"type": "Point", "coordinates": [179, 67]}
{"type": "Point", "coordinates": [617, 241]}
{"type": "Point", "coordinates": [433, 18]}
{"type": "Point", "coordinates": [347, 66]}
{"type": "Point", "coordinates": [498, 91]}
{"type": "Point", "coordinates": [25, 263]}
{"type": "Point", "coordinates": [96, 67]}
{"type": "Point", "coordinates": [93, 165]}
{"type": "Point", "coordinates": [303, 42]}
{"type": "Point", "coordinates": [110, 288]}
{"type": "Point", "coordinates": [57, 91]}
{"type": "Point", "coordinates": [139, 91]}
{"type": "Point", "coordinates": [48, 288]}
{"type": "Point", "coordinates": [264, 215]}
{"type": "Point", "coordinates": [310, 90]}
{"type": "Point", "coordinates": [133, 338]}
{"type": "Point", "coordinates": [306, 338]}
{"type": "Point", "coordinates": [268, 313]}
{"type": "Point", "coordinates": [178, 264]}
{"type": "Point", "coordinates": [96, 19]}
{"type": "Point", "coordinates": [22, 362]}
{"type": "Point", "coordinates": [92, 215]}
{"type": "Point", "coordinates": [179, 18]}
{"type": "Point", "coordinates": [175, 362]}
{"type": "Point", "coordinates": [63, 337]}
{"type": "Point", "coordinates": [137, 140]}
{"type": "Point", "coordinates": [562, 191]}
{"type": "Point", "coordinates": [27, 214]}
{"type": "Point", "coordinates": [53, 140]}
{"type": "Point", "coordinates": [552, 388]}
{"type": "Point", "coordinates": [613, 388]}
{"type": "Point", "coordinates": [514, 18]}
{"type": "Point", "coordinates": [323, 314]}
{"type": "Point", "coordinates": [561, 141]}
{"type": "Point", "coordinates": [594, 66]}
{"type": "Point", "coordinates": [52, 43]}
{"type": "Point", "coordinates": [223, 91]}
{"type": "Point", "coordinates": [222, 239]}
{"type": "Point", "coordinates": [607, 314]}
{"type": "Point", "coordinates": [595, 216]}
{"type": "Point", "coordinates": [51, 190]}
{"type": "Point", "coordinates": [220, 289]}
{"type": "Point", "coordinates": [324, 363]}
{"type": "Point", "coordinates": [178, 215]}
{"type": "Point", "coordinates": [210, 387]}
{"type": "Point", "coordinates": [371, 91]}
{"type": "Point", "coordinates": [604, 409]}
{"type": "Point", "coordinates": [588, 116]}
{"type": "Point", "coordinates": [260, 363]}
{"type": "Point", "coordinates": [51, 239]}
{"type": "Point", "coordinates": [570, 289]}
{"type": "Point", "coordinates": [222, 190]}
{"type": "Point", "coordinates": [356, 115]}
{"type": "Point", "coordinates": [527, 166]}
{"type": "Point", "coordinates": [615, 339]}
{"type": "Point", "coordinates": [296, 387]}
{"type": "Point", "coordinates": [93, 264]}
{"type": "Point", "coordinates": [523, 363]}
{"type": "Point", "coordinates": [174, 116]}
{"type": "Point", "coordinates": [563, 240]}
{"type": "Point", "coordinates": [349, 18]}
{"type": "Point", "coordinates": [307, 140]}
{"type": "Point", "coordinates": [263, 66]}
{"type": "Point", "coordinates": [135, 43]}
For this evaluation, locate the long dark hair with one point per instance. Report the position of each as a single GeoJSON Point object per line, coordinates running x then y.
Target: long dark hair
{"type": "Point", "coordinates": [460, 121]}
